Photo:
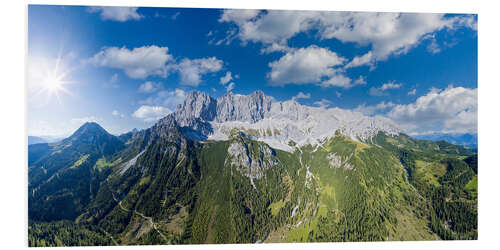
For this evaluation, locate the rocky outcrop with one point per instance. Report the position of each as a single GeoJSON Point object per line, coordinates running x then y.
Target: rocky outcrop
{"type": "Point", "coordinates": [338, 161]}
{"type": "Point", "coordinates": [251, 161]}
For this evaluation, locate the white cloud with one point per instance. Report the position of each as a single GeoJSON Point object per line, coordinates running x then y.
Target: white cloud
{"type": "Point", "coordinates": [433, 46]}
{"type": "Point", "coordinates": [191, 71]}
{"type": "Point", "coordinates": [142, 62]}
{"type": "Point", "coordinates": [117, 113]}
{"type": "Point", "coordinates": [230, 36]}
{"type": "Point", "coordinates": [149, 87]}
{"type": "Point", "coordinates": [120, 14]}
{"type": "Point", "coordinates": [376, 92]}
{"type": "Point", "coordinates": [151, 113]}
{"type": "Point", "coordinates": [113, 78]}
{"type": "Point", "coordinates": [453, 110]}
{"type": "Point", "coordinates": [226, 78]}
{"type": "Point", "coordinates": [323, 103]}
{"type": "Point", "coordinates": [386, 33]}
{"type": "Point", "coordinates": [390, 85]}
{"type": "Point", "coordinates": [275, 47]}
{"type": "Point", "coordinates": [360, 81]}
{"type": "Point", "coordinates": [372, 110]}
{"type": "Point", "coordinates": [238, 16]}
{"type": "Point", "coordinates": [311, 65]}
{"type": "Point", "coordinates": [112, 82]}
{"type": "Point", "coordinates": [308, 65]}
{"type": "Point", "coordinates": [338, 80]}
{"type": "Point", "coordinates": [301, 95]}
{"type": "Point", "coordinates": [413, 92]}
{"type": "Point", "coordinates": [169, 99]}
{"type": "Point", "coordinates": [366, 59]}
{"type": "Point", "coordinates": [468, 21]}
{"type": "Point", "coordinates": [230, 87]}
{"type": "Point", "coordinates": [268, 27]}
{"type": "Point", "coordinates": [380, 91]}
{"type": "Point", "coordinates": [139, 62]}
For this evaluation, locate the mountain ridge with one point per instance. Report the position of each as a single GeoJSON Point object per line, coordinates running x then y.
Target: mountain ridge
{"type": "Point", "coordinates": [468, 140]}
{"type": "Point", "coordinates": [276, 123]}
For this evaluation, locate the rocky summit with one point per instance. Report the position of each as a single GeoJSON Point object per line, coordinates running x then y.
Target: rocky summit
{"type": "Point", "coordinates": [280, 124]}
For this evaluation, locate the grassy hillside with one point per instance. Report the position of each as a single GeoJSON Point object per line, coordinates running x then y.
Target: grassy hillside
{"type": "Point", "coordinates": [447, 178]}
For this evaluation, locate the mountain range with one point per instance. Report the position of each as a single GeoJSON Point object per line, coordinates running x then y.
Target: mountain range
{"type": "Point", "coordinates": [43, 139]}
{"type": "Point", "coordinates": [247, 169]}
{"type": "Point", "coordinates": [468, 140]}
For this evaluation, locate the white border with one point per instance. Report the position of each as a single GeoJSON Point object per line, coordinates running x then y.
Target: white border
{"type": "Point", "coordinates": [13, 187]}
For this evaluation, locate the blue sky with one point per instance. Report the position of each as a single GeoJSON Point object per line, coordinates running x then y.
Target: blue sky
{"type": "Point", "coordinates": [127, 67]}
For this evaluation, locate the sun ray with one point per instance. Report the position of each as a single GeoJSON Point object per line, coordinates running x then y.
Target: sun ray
{"type": "Point", "coordinates": [55, 80]}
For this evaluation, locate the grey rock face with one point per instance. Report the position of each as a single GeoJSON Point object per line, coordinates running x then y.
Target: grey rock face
{"type": "Point", "coordinates": [166, 127]}
{"type": "Point", "coordinates": [337, 161]}
{"type": "Point", "coordinates": [251, 164]}
{"type": "Point", "coordinates": [247, 108]}
{"type": "Point", "coordinates": [230, 107]}
{"type": "Point", "coordinates": [197, 105]}
{"type": "Point", "coordinates": [195, 113]}
{"type": "Point", "coordinates": [289, 109]}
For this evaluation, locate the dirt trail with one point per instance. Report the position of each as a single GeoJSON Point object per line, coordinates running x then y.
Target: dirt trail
{"type": "Point", "coordinates": [111, 236]}
{"type": "Point", "coordinates": [149, 219]}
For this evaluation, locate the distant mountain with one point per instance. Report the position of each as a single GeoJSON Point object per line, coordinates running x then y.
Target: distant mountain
{"type": "Point", "coordinates": [63, 176]}
{"type": "Point", "coordinates": [35, 139]}
{"type": "Point", "coordinates": [467, 140]}
{"type": "Point", "coordinates": [246, 169]}
{"type": "Point", "coordinates": [43, 139]}
{"type": "Point", "coordinates": [52, 139]}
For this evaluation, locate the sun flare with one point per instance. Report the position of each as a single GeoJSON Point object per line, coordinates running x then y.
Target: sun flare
{"type": "Point", "coordinates": [50, 79]}
{"type": "Point", "coordinates": [53, 83]}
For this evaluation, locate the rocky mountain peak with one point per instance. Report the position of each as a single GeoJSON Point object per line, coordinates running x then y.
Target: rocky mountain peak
{"type": "Point", "coordinates": [91, 137]}
{"type": "Point", "coordinates": [247, 108]}
{"type": "Point", "coordinates": [196, 105]}
{"type": "Point", "coordinates": [89, 130]}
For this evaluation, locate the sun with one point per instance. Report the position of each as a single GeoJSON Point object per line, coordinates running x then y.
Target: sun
{"type": "Point", "coordinates": [53, 83]}
{"type": "Point", "coordinates": [52, 79]}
